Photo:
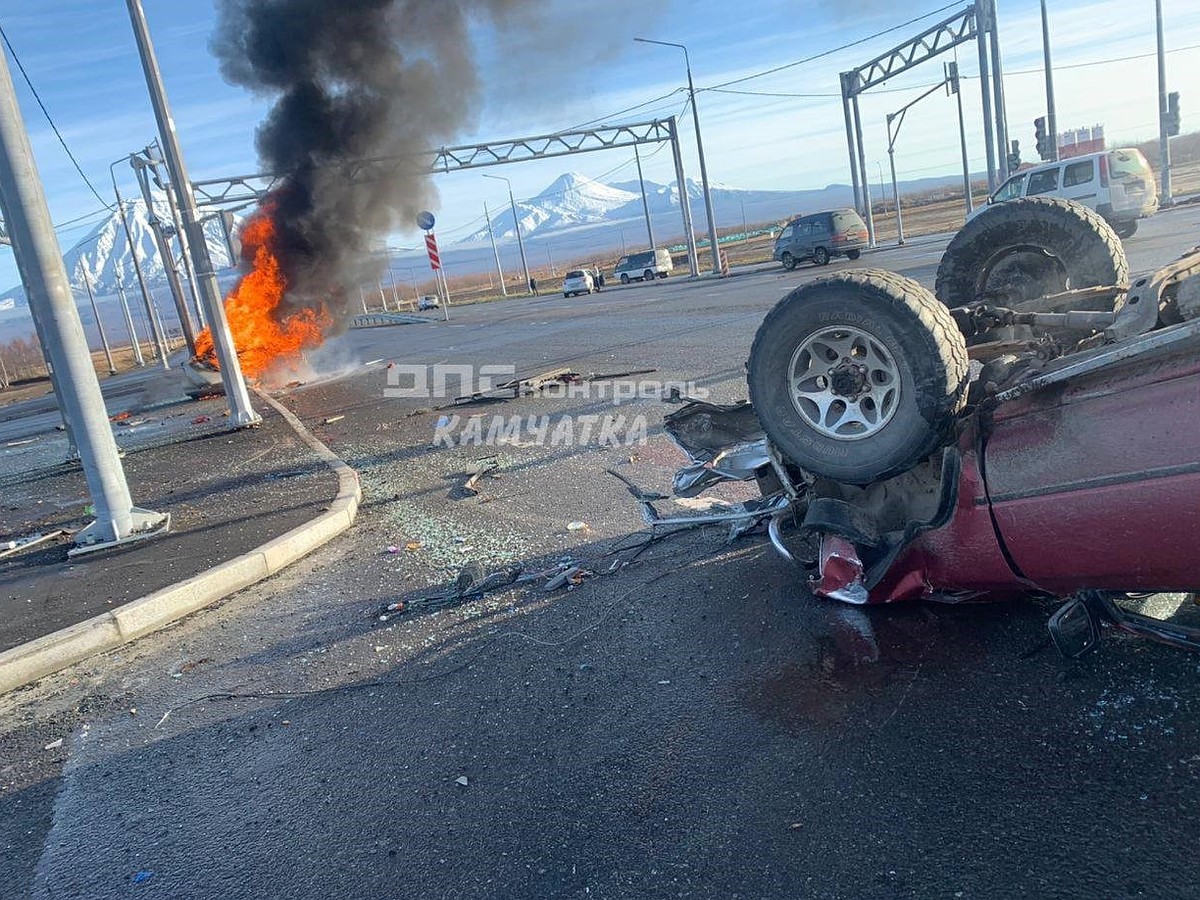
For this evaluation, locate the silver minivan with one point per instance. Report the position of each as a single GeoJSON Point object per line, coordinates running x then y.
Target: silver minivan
{"type": "Point", "coordinates": [644, 266]}
{"type": "Point", "coordinates": [1118, 184]}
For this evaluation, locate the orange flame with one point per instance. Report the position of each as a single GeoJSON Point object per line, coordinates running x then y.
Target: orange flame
{"type": "Point", "coordinates": [263, 333]}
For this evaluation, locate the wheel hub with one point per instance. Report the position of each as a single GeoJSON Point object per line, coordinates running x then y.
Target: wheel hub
{"type": "Point", "coordinates": [844, 382]}
{"type": "Point", "coordinates": [847, 379]}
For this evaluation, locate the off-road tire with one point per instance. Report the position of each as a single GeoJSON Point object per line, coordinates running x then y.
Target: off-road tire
{"type": "Point", "coordinates": [789, 261]}
{"type": "Point", "coordinates": [624, 278]}
{"type": "Point", "coordinates": [853, 254]}
{"type": "Point", "coordinates": [821, 256]}
{"type": "Point", "coordinates": [919, 333]}
{"type": "Point", "coordinates": [1079, 238]}
{"type": "Point", "coordinates": [648, 275]}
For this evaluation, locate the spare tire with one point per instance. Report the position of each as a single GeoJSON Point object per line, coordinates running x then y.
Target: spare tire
{"type": "Point", "coordinates": [859, 376]}
{"type": "Point", "coordinates": [1027, 248]}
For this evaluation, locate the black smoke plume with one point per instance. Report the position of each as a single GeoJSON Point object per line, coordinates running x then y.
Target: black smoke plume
{"type": "Point", "coordinates": [353, 80]}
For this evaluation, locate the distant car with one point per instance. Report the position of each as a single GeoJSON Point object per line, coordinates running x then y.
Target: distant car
{"type": "Point", "coordinates": [1118, 184]}
{"type": "Point", "coordinates": [429, 301]}
{"type": "Point", "coordinates": [644, 266]}
{"type": "Point", "coordinates": [578, 282]}
{"type": "Point", "coordinates": [820, 237]}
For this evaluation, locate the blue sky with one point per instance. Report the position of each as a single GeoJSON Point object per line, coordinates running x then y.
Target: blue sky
{"type": "Point", "coordinates": [582, 64]}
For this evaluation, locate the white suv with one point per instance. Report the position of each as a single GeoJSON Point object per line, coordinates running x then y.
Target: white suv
{"type": "Point", "coordinates": [1118, 184]}
{"type": "Point", "coordinates": [578, 282]}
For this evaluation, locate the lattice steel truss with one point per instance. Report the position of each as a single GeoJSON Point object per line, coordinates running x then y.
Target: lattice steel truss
{"type": "Point", "coordinates": [242, 189]}
{"type": "Point", "coordinates": [976, 22]}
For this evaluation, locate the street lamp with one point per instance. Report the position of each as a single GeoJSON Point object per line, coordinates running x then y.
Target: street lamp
{"type": "Point", "coordinates": [495, 252]}
{"type": "Point", "coordinates": [708, 206]}
{"type": "Point", "coordinates": [516, 224]}
{"type": "Point", "coordinates": [898, 118]}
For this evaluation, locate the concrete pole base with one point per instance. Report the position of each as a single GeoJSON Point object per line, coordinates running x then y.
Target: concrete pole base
{"type": "Point", "coordinates": [146, 524]}
{"type": "Point", "coordinates": [245, 419]}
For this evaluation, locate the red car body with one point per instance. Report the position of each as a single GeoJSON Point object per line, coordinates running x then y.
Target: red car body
{"type": "Point", "coordinates": [1090, 483]}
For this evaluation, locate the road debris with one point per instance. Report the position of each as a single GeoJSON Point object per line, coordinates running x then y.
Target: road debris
{"type": "Point", "coordinates": [120, 417]}
{"type": "Point", "coordinates": [413, 546]}
{"type": "Point", "coordinates": [485, 469]}
{"type": "Point", "coordinates": [18, 545]}
{"type": "Point", "coordinates": [571, 576]}
{"type": "Point", "coordinates": [142, 876]}
{"type": "Point", "coordinates": [200, 420]}
{"type": "Point", "coordinates": [462, 780]}
{"type": "Point", "coordinates": [329, 420]}
{"type": "Point", "coordinates": [54, 745]}
{"type": "Point", "coordinates": [577, 526]}
{"type": "Point", "coordinates": [471, 584]}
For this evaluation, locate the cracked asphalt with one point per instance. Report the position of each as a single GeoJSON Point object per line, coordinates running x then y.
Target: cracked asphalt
{"type": "Point", "coordinates": [692, 724]}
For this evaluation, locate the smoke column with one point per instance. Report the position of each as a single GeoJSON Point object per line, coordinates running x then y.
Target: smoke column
{"type": "Point", "coordinates": [353, 80]}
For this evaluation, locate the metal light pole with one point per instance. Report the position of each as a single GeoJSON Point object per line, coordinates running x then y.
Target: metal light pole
{"type": "Point", "coordinates": [87, 283]}
{"type": "Point", "coordinates": [882, 190]}
{"type": "Point", "coordinates": [645, 205]}
{"type": "Point", "coordinates": [708, 205]}
{"type": "Point", "coordinates": [952, 73]}
{"type": "Point", "coordinates": [1164, 139]}
{"type": "Point", "coordinates": [174, 282]}
{"type": "Point", "coordinates": [133, 337]}
{"type": "Point", "coordinates": [157, 338]}
{"type": "Point", "coordinates": [39, 258]}
{"type": "Point", "coordinates": [241, 413]}
{"type": "Point", "coordinates": [1051, 116]}
{"type": "Point", "coordinates": [1002, 142]}
{"type": "Point", "coordinates": [392, 277]}
{"type": "Point", "coordinates": [517, 225]}
{"type": "Point", "coordinates": [985, 88]}
{"type": "Point", "coordinates": [898, 118]}
{"type": "Point", "coordinates": [862, 168]}
{"type": "Point", "coordinates": [495, 252]}
{"type": "Point", "coordinates": [154, 156]}
{"type": "Point", "coordinates": [685, 203]}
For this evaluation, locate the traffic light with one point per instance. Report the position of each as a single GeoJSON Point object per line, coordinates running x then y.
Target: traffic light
{"type": "Point", "coordinates": [1172, 115]}
{"type": "Point", "coordinates": [1014, 157]}
{"type": "Point", "coordinates": [1045, 142]}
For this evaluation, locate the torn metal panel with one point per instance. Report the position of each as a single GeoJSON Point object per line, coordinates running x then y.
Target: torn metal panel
{"type": "Point", "coordinates": [839, 572]}
{"type": "Point", "coordinates": [725, 443]}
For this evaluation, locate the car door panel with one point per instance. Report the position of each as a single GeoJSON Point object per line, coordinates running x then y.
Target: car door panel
{"type": "Point", "coordinates": [1097, 482]}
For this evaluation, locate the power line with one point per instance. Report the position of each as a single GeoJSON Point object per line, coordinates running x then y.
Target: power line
{"type": "Point", "coordinates": [46, 113]}
{"type": "Point", "coordinates": [830, 52]}
{"type": "Point", "coordinates": [628, 109]}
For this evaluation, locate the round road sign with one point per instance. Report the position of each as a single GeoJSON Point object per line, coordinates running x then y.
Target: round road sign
{"type": "Point", "coordinates": [425, 220]}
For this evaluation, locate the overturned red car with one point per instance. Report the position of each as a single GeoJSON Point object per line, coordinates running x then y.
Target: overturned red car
{"type": "Point", "coordinates": [1033, 427]}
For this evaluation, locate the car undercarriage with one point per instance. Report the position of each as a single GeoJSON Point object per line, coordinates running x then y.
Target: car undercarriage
{"type": "Point", "coordinates": [1030, 430]}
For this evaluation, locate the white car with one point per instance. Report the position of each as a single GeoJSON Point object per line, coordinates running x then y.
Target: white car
{"type": "Point", "coordinates": [1118, 184]}
{"type": "Point", "coordinates": [429, 301]}
{"type": "Point", "coordinates": [578, 282]}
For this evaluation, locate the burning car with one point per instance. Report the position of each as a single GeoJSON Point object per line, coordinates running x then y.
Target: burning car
{"type": "Point", "coordinates": [1031, 428]}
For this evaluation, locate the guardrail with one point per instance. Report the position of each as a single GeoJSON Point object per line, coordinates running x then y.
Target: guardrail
{"type": "Point", "coordinates": [378, 320]}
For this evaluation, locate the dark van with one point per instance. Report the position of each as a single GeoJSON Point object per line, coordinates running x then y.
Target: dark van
{"type": "Point", "coordinates": [820, 237]}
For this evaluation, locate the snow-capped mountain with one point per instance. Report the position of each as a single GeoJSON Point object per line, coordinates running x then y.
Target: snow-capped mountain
{"type": "Point", "coordinates": [104, 254]}
{"type": "Point", "coordinates": [574, 200]}
{"type": "Point", "coordinates": [571, 199]}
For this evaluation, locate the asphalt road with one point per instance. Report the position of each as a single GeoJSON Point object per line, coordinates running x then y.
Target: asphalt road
{"type": "Point", "coordinates": [694, 724]}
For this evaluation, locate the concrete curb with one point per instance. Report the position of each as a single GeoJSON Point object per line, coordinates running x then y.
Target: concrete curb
{"type": "Point", "coordinates": [111, 629]}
